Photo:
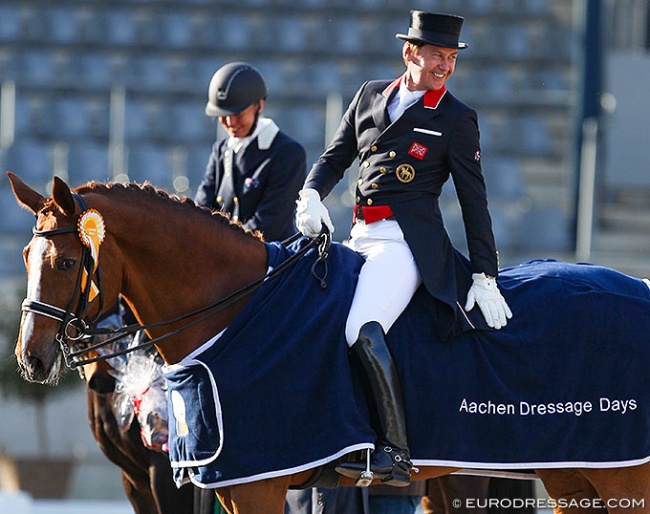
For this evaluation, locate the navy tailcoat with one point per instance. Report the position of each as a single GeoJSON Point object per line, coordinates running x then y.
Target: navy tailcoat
{"type": "Point", "coordinates": [404, 165]}
{"type": "Point", "coordinates": [262, 188]}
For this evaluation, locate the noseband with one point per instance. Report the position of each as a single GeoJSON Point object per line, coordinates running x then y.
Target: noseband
{"type": "Point", "coordinates": [74, 329]}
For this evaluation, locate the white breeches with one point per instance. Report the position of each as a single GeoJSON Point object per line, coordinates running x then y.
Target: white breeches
{"type": "Point", "coordinates": [387, 280]}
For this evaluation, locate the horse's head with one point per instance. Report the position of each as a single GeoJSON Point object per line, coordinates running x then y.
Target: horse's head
{"type": "Point", "coordinates": [54, 259]}
{"type": "Point", "coordinates": [71, 283]}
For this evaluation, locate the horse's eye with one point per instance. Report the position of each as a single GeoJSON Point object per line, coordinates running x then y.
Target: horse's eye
{"type": "Point", "coordinates": [64, 264]}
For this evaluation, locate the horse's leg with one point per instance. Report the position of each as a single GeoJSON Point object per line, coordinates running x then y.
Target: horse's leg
{"type": "Point", "coordinates": [223, 497]}
{"type": "Point", "coordinates": [622, 490]}
{"type": "Point", "coordinates": [429, 504]}
{"type": "Point", "coordinates": [451, 493]}
{"type": "Point", "coordinates": [262, 497]}
{"type": "Point", "coordinates": [571, 490]}
{"type": "Point", "coordinates": [168, 498]}
{"type": "Point", "coordinates": [142, 502]}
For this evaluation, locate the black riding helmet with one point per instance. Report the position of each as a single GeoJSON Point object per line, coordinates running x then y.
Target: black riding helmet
{"type": "Point", "coordinates": [234, 87]}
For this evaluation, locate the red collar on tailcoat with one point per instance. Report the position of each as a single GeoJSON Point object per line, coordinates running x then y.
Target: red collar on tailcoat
{"type": "Point", "coordinates": [431, 98]}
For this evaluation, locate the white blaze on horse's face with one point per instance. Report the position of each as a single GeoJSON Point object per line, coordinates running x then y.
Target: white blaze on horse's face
{"type": "Point", "coordinates": [37, 257]}
{"type": "Point", "coordinates": [34, 270]}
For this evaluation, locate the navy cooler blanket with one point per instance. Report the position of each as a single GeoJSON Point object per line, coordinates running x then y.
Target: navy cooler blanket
{"type": "Point", "coordinates": [563, 385]}
{"type": "Point", "coordinates": [273, 395]}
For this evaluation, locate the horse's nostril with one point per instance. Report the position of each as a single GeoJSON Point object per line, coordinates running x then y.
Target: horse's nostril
{"type": "Point", "coordinates": [34, 367]}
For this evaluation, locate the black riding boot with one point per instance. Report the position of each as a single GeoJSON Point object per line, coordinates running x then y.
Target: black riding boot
{"type": "Point", "coordinates": [390, 461]}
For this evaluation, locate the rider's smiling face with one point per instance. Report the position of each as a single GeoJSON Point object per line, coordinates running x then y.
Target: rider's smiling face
{"type": "Point", "coordinates": [427, 66]}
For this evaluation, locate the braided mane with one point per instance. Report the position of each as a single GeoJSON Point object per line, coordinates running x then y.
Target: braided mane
{"type": "Point", "coordinates": [147, 191]}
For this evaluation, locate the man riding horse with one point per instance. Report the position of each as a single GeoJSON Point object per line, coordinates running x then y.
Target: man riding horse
{"type": "Point", "coordinates": [409, 134]}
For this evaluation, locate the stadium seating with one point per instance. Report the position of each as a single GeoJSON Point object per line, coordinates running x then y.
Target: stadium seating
{"type": "Point", "coordinates": [88, 161]}
{"type": "Point", "coordinates": [150, 163]}
{"type": "Point", "coordinates": [67, 58]}
{"type": "Point", "coordinates": [31, 159]}
{"type": "Point", "coordinates": [10, 24]}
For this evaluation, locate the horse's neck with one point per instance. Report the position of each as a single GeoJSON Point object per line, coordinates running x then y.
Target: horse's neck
{"type": "Point", "coordinates": [177, 267]}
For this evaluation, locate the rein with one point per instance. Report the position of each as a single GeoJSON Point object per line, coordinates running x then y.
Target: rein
{"type": "Point", "coordinates": [322, 241]}
{"type": "Point", "coordinates": [84, 330]}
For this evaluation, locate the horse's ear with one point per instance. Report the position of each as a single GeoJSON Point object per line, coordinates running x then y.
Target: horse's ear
{"type": "Point", "coordinates": [25, 195]}
{"type": "Point", "coordinates": [63, 197]}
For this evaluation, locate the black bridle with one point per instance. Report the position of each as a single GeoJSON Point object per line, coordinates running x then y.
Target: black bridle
{"type": "Point", "coordinates": [73, 326]}
{"type": "Point", "coordinates": [75, 330]}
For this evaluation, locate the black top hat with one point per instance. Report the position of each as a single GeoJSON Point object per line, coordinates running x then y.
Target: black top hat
{"type": "Point", "coordinates": [434, 29]}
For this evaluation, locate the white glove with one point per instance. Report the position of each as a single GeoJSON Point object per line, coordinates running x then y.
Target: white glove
{"type": "Point", "coordinates": [485, 292]}
{"type": "Point", "coordinates": [311, 213]}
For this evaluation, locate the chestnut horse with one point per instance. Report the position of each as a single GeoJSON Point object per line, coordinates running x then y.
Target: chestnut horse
{"type": "Point", "coordinates": [153, 251]}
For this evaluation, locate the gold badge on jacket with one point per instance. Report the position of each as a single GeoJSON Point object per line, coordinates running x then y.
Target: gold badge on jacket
{"type": "Point", "coordinates": [405, 173]}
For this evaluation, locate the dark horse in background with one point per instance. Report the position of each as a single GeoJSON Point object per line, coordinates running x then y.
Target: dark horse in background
{"type": "Point", "coordinates": [159, 277]}
{"type": "Point", "coordinates": [146, 474]}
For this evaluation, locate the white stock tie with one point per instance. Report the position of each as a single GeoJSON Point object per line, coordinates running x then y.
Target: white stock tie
{"type": "Point", "coordinates": [399, 110]}
{"type": "Point", "coordinates": [406, 99]}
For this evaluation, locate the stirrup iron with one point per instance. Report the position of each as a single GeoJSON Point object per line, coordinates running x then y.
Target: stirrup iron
{"type": "Point", "coordinates": [366, 477]}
